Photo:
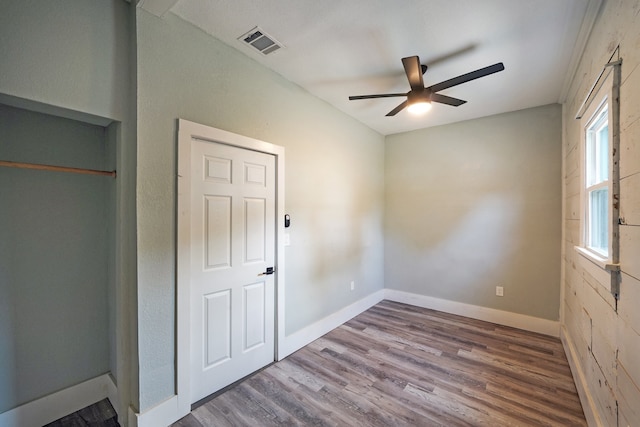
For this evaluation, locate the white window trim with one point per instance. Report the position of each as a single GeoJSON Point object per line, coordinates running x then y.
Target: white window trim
{"type": "Point", "coordinates": [601, 262]}
{"type": "Point", "coordinates": [593, 115]}
{"type": "Point", "coordinates": [607, 91]}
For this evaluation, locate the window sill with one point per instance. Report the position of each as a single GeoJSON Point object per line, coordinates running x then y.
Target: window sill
{"type": "Point", "coordinates": [603, 263]}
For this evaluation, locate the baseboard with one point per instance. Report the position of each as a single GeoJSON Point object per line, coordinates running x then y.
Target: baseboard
{"type": "Point", "coordinates": [114, 398]}
{"type": "Point", "coordinates": [164, 414]}
{"type": "Point", "coordinates": [171, 410]}
{"type": "Point", "coordinates": [588, 405]}
{"type": "Point", "coordinates": [62, 403]}
{"type": "Point", "coordinates": [312, 332]}
{"type": "Point", "coordinates": [506, 318]}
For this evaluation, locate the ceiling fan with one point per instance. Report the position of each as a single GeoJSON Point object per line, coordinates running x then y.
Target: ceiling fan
{"type": "Point", "coordinates": [419, 98]}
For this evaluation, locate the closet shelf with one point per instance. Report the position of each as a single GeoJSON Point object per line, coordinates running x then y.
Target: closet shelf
{"type": "Point", "coordinates": [56, 168]}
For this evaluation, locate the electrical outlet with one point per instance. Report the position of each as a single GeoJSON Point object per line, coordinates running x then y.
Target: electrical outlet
{"type": "Point", "coordinates": [499, 291]}
{"type": "Point", "coordinates": [353, 285]}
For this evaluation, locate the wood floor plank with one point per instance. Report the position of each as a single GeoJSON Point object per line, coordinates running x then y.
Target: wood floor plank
{"type": "Point", "coordinates": [188, 421]}
{"type": "Point", "coordinates": [400, 365]}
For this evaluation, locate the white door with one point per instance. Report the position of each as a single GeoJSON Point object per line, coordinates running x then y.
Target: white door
{"type": "Point", "coordinates": [232, 245]}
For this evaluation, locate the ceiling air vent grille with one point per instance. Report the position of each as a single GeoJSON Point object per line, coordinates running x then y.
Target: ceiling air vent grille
{"type": "Point", "coordinates": [261, 41]}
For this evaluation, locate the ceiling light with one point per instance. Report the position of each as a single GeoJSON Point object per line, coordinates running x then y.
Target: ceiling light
{"type": "Point", "coordinates": [419, 107]}
{"type": "Point", "coordinates": [419, 101]}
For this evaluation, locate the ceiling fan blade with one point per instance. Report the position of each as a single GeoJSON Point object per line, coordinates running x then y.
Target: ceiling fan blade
{"type": "Point", "coordinates": [424, 68]}
{"type": "Point", "coordinates": [381, 95]}
{"type": "Point", "coordinates": [442, 99]}
{"type": "Point", "coordinates": [397, 109]}
{"type": "Point", "coordinates": [467, 77]}
{"type": "Point", "coordinates": [413, 71]}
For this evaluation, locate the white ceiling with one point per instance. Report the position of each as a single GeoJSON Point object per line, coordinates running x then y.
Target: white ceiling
{"type": "Point", "coordinates": [337, 48]}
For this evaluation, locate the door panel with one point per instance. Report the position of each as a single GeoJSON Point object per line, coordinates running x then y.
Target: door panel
{"type": "Point", "coordinates": [255, 174]}
{"type": "Point", "coordinates": [217, 169]}
{"type": "Point", "coordinates": [255, 210]}
{"type": "Point", "coordinates": [217, 317]}
{"type": "Point", "coordinates": [217, 232]}
{"type": "Point", "coordinates": [232, 243]}
{"type": "Point", "coordinates": [254, 303]}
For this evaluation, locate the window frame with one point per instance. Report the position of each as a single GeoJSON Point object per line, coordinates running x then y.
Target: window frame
{"type": "Point", "coordinates": [605, 94]}
{"type": "Point", "coordinates": [592, 167]}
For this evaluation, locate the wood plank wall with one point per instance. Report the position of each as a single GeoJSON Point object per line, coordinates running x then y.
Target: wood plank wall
{"type": "Point", "coordinates": [604, 333]}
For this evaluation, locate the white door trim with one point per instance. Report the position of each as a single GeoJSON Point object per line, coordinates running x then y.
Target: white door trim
{"type": "Point", "coordinates": [186, 132]}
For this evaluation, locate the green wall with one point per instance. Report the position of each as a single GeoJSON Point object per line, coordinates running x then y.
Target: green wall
{"type": "Point", "coordinates": [72, 54]}
{"type": "Point", "coordinates": [107, 60]}
{"type": "Point", "coordinates": [333, 189]}
{"type": "Point", "coordinates": [55, 257]}
{"type": "Point", "coordinates": [75, 59]}
{"type": "Point", "coordinates": [475, 205]}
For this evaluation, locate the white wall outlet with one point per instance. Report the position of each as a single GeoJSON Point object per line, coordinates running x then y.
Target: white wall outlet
{"type": "Point", "coordinates": [353, 285]}
{"type": "Point", "coordinates": [499, 291]}
{"type": "Point", "coordinates": [287, 239]}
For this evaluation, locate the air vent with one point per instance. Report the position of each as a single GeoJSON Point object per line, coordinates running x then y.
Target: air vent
{"type": "Point", "coordinates": [261, 41]}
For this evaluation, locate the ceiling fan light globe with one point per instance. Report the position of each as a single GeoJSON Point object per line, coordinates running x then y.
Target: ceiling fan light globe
{"type": "Point", "coordinates": [419, 107]}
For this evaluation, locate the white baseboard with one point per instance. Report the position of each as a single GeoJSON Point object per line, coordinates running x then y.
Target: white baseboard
{"type": "Point", "coordinates": [312, 332]}
{"type": "Point", "coordinates": [114, 397]}
{"type": "Point", "coordinates": [164, 414]}
{"type": "Point", "coordinates": [588, 405]}
{"type": "Point", "coordinates": [170, 411]}
{"type": "Point", "coordinates": [506, 318]}
{"type": "Point", "coordinates": [62, 403]}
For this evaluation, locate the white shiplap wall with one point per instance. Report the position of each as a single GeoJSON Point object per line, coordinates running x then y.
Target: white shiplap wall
{"type": "Point", "coordinates": [603, 337]}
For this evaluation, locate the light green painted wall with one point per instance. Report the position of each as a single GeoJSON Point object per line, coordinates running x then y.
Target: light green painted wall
{"type": "Point", "coordinates": [54, 257]}
{"type": "Point", "coordinates": [71, 53]}
{"type": "Point", "coordinates": [334, 182]}
{"type": "Point", "coordinates": [110, 215]}
{"type": "Point", "coordinates": [473, 205]}
{"type": "Point", "coordinates": [73, 58]}
{"type": "Point", "coordinates": [77, 56]}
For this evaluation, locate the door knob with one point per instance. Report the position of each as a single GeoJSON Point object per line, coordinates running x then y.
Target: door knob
{"type": "Point", "coordinates": [270, 270]}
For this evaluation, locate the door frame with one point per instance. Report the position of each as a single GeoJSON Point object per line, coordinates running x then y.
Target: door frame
{"type": "Point", "coordinates": [187, 131]}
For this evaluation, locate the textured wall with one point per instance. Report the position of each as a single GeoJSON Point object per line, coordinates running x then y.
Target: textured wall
{"type": "Point", "coordinates": [475, 205]}
{"type": "Point", "coordinates": [72, 58]}
{"type": "Point", "coordinates": [333, 184]}
{"type": "Point", "coordinates": [72, 54]}
{"type": "Point", "coordinates": [54, 257]}
{"type": "Point", "coordinates": [605, 336]}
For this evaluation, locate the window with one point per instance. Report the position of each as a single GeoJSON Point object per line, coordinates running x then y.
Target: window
{"type": "Point", "coordinates": [599, 192]}
{"type": "Point", "coordinates": [599, 118]}
{"type": "Point", "coordinates": [597, 183]}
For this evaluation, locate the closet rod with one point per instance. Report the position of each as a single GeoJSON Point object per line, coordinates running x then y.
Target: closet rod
{"type": "Point", "coordinates": [56, 168]}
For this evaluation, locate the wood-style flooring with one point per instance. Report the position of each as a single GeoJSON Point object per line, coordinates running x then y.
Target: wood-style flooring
{"type": "Point", "coordinates": [399, 365]}
{"type": "Point", "coordinates": [100, 414]}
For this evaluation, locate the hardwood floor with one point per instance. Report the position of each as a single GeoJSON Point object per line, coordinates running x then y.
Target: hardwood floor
{"type": "Point", "coordinates": [399, 365]}
{"type": "Point", "coordinates": [100, 414]}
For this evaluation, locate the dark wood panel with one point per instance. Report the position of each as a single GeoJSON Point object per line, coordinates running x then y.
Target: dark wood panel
{"type": "Point", "coordinates": [397, 365]}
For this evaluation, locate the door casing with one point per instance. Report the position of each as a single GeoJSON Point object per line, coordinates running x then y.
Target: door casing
{"type": "Point", "coordinates": [187, 131]}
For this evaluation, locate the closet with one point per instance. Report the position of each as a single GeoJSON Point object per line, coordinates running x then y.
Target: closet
{"type": "Point", "coordinates": [57, 254]}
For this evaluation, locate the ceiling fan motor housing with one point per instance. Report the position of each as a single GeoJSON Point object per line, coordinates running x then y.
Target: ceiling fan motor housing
{"type": "Point", "coordinates": [416, 96]}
